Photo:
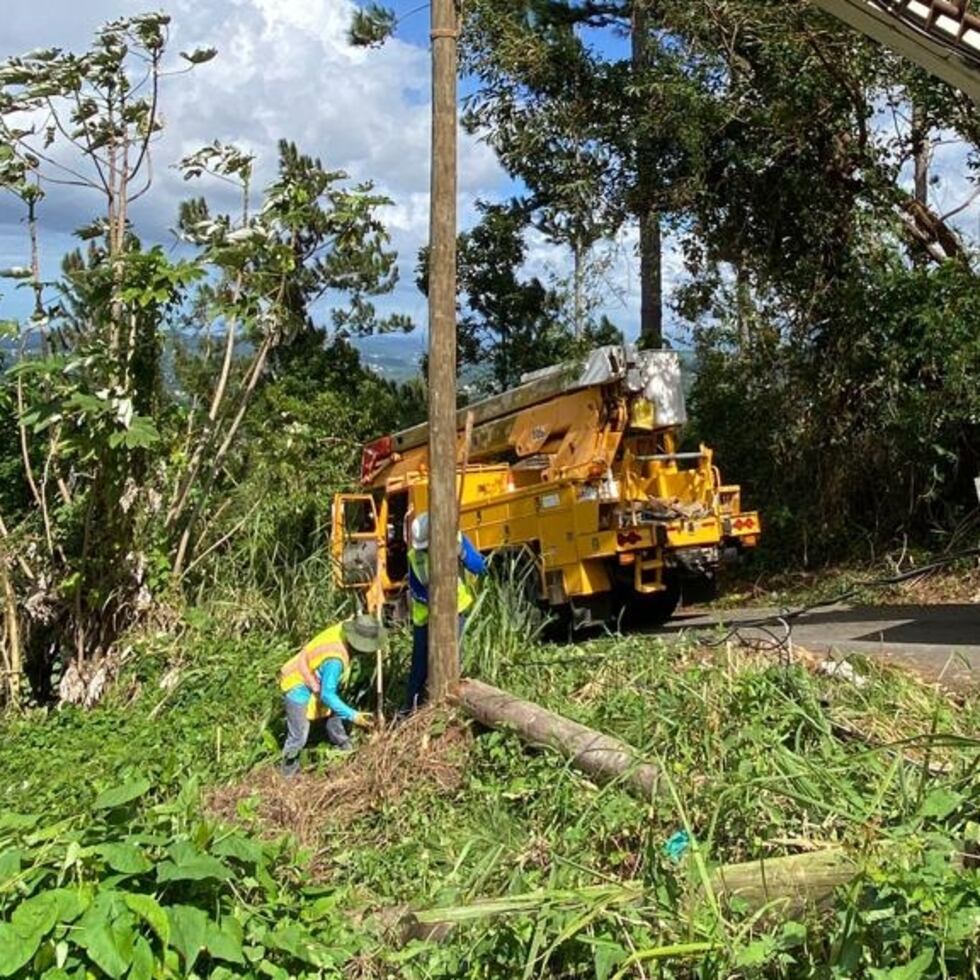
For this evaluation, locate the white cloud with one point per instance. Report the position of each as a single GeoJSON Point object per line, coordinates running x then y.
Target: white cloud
{"type": "Point", "coordinates": [284, 70]}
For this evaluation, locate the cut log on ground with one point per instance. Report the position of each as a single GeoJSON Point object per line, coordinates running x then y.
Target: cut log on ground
{"type": "Point", "coordinates": [605, 759]}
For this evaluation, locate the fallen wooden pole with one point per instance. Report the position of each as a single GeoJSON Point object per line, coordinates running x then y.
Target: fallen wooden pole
{"type": "Point", "coordinates": [788, 884]}
{"type": "Point", "coordinates": [784, 886]}
{"type": "Point", "coordinates": [604, 758]}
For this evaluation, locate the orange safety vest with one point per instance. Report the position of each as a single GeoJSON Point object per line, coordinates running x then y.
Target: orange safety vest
{"type": "Point", "coordinates": [328, 645]}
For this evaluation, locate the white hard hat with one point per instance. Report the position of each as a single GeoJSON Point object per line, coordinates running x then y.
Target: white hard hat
{"type": "Point", "coordinates": [420, 532]}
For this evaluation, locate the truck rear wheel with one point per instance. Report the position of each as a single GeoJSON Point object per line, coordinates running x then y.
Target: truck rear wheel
{"type": "Point", "coordinates": [654, 608]}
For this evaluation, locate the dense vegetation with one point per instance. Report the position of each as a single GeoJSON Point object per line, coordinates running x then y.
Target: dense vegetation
{"type": "Point", "coordinates": [123, 866]}
{"type": "Point", "coordinates": [830, 306]}
{"type": "Point", "coordinates": [173, 423]}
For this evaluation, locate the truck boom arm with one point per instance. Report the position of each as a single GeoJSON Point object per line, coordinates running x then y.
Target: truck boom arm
{"type": "Point", "coordinates": [566, 412]}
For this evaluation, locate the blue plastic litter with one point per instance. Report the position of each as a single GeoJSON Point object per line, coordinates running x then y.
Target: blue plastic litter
{"type": "Point", "coordinates": [677, 846]}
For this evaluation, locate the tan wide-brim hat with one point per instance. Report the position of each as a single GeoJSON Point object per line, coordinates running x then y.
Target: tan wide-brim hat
{"type": "Point", "coordinates": [364, 634]}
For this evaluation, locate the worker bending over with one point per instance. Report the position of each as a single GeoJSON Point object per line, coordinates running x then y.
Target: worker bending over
{"type": "Point", "coordinates": [470, 560]}
{"type": "Point", "coordinates": [310, 682]}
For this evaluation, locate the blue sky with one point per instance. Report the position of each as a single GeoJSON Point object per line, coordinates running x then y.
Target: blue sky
{"type": "Point", "coordinates": [284, 69]}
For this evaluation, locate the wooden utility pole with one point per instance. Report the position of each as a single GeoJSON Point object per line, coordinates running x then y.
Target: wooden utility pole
{"type": "Point", "coordinates": [443, 552]}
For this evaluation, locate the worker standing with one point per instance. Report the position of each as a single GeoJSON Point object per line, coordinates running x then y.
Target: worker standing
{"type": "Point", "coordinates": [471, 561]}
{"type": "Point", "coordinates": [311, 680]}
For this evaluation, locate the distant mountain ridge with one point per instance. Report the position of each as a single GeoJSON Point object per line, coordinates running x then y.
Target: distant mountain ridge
{"type": "Point", "coordinates": [395, 356]}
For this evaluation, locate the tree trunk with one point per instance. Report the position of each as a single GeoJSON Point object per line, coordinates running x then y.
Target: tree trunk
{"type": "Point", "coordinates": [14, 658]}
{"type": "Point", "coordinates": [920, 153]}
{"type": "Point", "coordinates": [602, 757]}
{"type": "Point", "coordinates": [186, 545]}
{"type": "Point", "coordinates": [578, 286]}
{"type": "Point", "coordinates": [743, 301]}
{"type": "Point", "coordinates": [651, 244]}
{"type": "Point", "coordinates": [651, 282]}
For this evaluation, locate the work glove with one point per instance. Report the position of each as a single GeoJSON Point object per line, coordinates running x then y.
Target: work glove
{"type": "Point", "coordinates": [363, 720]}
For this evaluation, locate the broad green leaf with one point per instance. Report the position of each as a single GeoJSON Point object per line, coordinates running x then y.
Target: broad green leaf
{"type": "Point", "coordinates": [757, 953]}
{"type": "Point", "coordinates": [106, 933]}
{"type": "Point", "coordinates": [189, 864]}
{"type": "Point", "coordinates": [238, 847]}
{"type": "Point", "coordinates": [143, 962]}
{"type": "Point", "coordinates": [171, 962]}
{"type": "Point", "coordinates": [940, 803]}
{"type": "Point", "coordinates": [120, 795]}
{"type": "Point", "coordinates": [606, 957]}
{"type": "Point", "coordinates": [254, 954]}
{"type": "Point", "coordinates": [50, 832]}
{"type": "Point", "coordinates": [15, 950]}
{"type": "Point", "coordinates": [41, 419]}
{"type": "Point", "coordinates": [109, 944]}
{"type": "Point", "coordinates": [55, 973]}
{"type": "Point", "coordinates": [188, 931]}
{"type": "Point", "coordinates": [125, 857]}
{"type": "Point", "coordinates": [912, 970]}
{"type": "Point", "coordinates": [38, 914]}
{"type": "Point", "coordinates": [963, 924]}
{"type": "Point", "coordinates": [323, 907]}
{"type": "Point", "coordinates": [224, 942]}
{"type": "Point", "coordinates": [18, 821]}
{"type": "Point", "coordinates": [88, 404]}
{"type": "Point", "coordinates": [152, 913]}
{"type": "Point", "coordinates": [10, 862]}
{"type": "Point", "coordinates": [295, 940]}
{"type": "Point", "coordinates": [268, 969]}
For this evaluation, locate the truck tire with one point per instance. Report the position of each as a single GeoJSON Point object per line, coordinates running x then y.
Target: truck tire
{"type": "Point", "coordinates": [654, 609]}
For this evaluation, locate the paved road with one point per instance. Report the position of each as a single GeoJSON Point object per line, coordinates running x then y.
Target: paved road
{"type": "Point", "coordinates": [939, 642]}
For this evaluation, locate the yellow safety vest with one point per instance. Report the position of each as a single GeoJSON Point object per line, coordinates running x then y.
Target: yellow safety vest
{"type": "Point", "coordinates": [328, 645]}
{"type": "Point", "coordinates": [419, 563]}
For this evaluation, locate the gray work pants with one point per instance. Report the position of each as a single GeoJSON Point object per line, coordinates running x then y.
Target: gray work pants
{"type": "Point", "coordinates": [298, 730]}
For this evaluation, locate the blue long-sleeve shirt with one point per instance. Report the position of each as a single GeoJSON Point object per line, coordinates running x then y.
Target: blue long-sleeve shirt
{"type": "Point", "coordinates": [469, 558]}
{"type": "Point", "coordinates": [330, 673]}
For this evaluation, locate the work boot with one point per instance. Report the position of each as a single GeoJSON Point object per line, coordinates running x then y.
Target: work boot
{"type": "Point", "coordinates": [290, 766]}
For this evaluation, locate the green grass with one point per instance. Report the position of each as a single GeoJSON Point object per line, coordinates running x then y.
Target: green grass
{"type": "Point", "coordinates": [543, 873]}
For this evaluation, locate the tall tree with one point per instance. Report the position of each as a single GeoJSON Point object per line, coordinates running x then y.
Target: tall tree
{"type": "Point", "coordinates": [508, 324]}
{"type": "Point", "coordinates": [591, 135]}
{"type": "Point", "coordinates": [119, 471]}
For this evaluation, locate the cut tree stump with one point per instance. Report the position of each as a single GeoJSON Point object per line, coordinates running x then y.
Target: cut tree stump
{"type": "Point", "coordinates": [602, 757]}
